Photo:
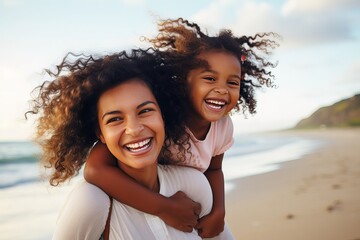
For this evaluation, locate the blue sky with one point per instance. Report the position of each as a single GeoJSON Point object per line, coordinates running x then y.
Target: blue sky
{"type": "Point", "coordinates": [319, 56]}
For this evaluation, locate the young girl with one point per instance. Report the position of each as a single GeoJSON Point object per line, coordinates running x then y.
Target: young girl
{"type": "Point", "coordinates": [220, 73]}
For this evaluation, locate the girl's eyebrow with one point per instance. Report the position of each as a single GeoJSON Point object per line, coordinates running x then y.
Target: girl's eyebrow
{"type": "Point", "coordinates": [236, 76]}
{"type": "Point", "coordinates": [215, 72]}
{"type": "Point", "coordinates": [208, 70]}
{"type": "Point", "coordinates": [119, 112]}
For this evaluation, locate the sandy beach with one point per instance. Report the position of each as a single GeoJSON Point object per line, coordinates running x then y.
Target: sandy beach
{"type": "Point", "coordinates": [314, 198]}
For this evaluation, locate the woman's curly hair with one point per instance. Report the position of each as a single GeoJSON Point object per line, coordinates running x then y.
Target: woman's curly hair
{"type": "Point", "coordinates": [67, 106]}
{"type": "Point", "coordinates": [186, 39]}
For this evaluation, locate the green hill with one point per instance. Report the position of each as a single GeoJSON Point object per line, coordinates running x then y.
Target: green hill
{"type": "Point", "coordinates": [345, 113]}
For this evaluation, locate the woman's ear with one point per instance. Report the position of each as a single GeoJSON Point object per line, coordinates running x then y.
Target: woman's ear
{"type": "Point", "coordinates": [100, 136]}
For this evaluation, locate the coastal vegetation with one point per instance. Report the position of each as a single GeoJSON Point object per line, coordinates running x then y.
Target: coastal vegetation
{"type": "Point", "coordinates": [345, 113]}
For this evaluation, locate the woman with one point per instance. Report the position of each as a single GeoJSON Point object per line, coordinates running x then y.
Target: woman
{"type": "Point", "coordinates": [114, 100]}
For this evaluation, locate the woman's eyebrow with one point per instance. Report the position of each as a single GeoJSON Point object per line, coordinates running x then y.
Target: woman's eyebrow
{"type": "Point", "coordinates": [145, 103]}
{"type": "Point", "coordinates": [119, 112]}
{"type": "Point", "coordinates": [111, 113]}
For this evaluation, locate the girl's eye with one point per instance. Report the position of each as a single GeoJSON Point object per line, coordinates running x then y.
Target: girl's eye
{"type": "Point", "coordinates": [209, 78]}
{"type": "Point", "coordinates": [235, 83]}
{"type": "Point", "coordinates": [113, 119]}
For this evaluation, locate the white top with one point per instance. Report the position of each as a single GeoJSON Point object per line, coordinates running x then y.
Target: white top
{"type": "Point", "coordinates": [217, 141]}
{"type": "Point", "coordinates": [84, 214]}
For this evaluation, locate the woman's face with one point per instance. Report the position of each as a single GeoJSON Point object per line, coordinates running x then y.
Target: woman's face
{"type": "Point", "coordinates": [131, 125]}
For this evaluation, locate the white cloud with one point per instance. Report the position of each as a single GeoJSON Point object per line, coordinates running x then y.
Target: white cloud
{"type": "Point", "coordinates": [212, 16]}
{"type": "Point", "coordinates": [321, 21]}
{"type": "Point", "coordinates": [301, 23]}
{"type": "Point", "coordinates": [311, 6]}
{"type": "Point", "coordinates": [255, 17]}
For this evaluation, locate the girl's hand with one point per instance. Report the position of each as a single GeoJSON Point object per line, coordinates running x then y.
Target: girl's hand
{"type": "Point", "coordinates": [181, 213]}
{"type": "Point", "coordinates": [210, 225]}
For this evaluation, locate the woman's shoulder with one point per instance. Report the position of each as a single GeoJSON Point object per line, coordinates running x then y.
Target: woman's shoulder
{"type": "Point", "coordinates": [85, 197]}
{"type": "Point", "coordinates": [180, 171]}
{"type": "Point", "coordinates": [183, 178]}
{"type": "Point", "coordinates": [188, 180]}
{"type": "Point", "coordinates": [84, 214]}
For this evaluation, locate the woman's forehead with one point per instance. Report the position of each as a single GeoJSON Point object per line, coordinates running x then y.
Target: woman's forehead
{"type": "Point", "coordinates": [126, 95]}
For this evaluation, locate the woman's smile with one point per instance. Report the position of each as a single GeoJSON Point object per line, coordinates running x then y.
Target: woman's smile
{"type": "Point", "coordinates": [131, 125]}
{"type": "Point", "coordinates": [139, 147]}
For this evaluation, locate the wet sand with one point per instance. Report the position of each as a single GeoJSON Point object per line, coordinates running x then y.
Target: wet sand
{"type": "Point", "coordinates": [315, 198]}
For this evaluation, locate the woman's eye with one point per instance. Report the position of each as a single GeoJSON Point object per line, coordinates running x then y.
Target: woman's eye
{"type": "Point", "coordinates": [146, 110]}
{"type": "Point", "coordinates": [114, 119]}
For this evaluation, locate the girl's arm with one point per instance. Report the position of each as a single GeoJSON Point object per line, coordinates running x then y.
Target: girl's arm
{"type": "Point", "coordinates": [212, 224]}
{"type": "Point", "coordinates": [101, 169]}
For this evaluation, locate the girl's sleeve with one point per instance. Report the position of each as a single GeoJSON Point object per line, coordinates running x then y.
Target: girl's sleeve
{"type": "Point", "coordinates": [224, 131]}
{"type": "Point", "coordinates": [84, 214]}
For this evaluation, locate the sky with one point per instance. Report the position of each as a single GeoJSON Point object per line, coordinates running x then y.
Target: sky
{"type": "Point", "coordinates": [318, 58]}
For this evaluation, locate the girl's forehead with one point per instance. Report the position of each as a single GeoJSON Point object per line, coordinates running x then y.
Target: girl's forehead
{"type": "Point", "coordinates": [219, 57]}
{"type": "Point", "coordinates": [204, 55]}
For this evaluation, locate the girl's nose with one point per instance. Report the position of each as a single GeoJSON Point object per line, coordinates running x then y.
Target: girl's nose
{"type": "Point", "coordinates": [221, 90]}
{"type": "Point", "coordinates": [134, 129]}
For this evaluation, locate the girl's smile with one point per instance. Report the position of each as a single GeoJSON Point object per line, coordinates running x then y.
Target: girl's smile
{"type": "Point", "coordinates": [214, 91]}
{"type": "Point", "coordinates": [216, 105]}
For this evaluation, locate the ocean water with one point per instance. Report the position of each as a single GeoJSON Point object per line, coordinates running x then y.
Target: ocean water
{"type": "Point", "coordinates": [18, 163]}
{"type": "Point", "coordinates": [29, 206]}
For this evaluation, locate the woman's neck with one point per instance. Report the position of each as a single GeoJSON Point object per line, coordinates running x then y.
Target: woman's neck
{"type": "Point", "coordinates": [147, 177]}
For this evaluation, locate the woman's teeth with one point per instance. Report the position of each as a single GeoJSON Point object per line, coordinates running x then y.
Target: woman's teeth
{"type": "Point", "coordinates": [139, 146]}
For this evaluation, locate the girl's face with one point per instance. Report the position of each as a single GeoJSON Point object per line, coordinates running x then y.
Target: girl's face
{"type": "Point", "coordinates": [215, 91]}
{"type": "Point", "coordinates": [131, 125]}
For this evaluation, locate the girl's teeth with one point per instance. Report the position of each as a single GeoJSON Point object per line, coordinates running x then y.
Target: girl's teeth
{"type": "Point", "coordinates": [215, 107]}
{"type": "Point", "coordinates": [216, 102]}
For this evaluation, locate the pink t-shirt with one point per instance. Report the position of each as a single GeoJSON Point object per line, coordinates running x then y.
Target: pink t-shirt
{"type": "Point", "coordinates": [217, 141]}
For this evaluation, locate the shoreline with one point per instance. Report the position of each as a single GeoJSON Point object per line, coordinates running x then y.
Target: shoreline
{"type": "Point", "coordinates": [315, 197]}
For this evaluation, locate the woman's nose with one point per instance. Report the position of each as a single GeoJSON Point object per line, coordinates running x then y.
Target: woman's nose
{"type": "Point", "coordinates": [134, 128]}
